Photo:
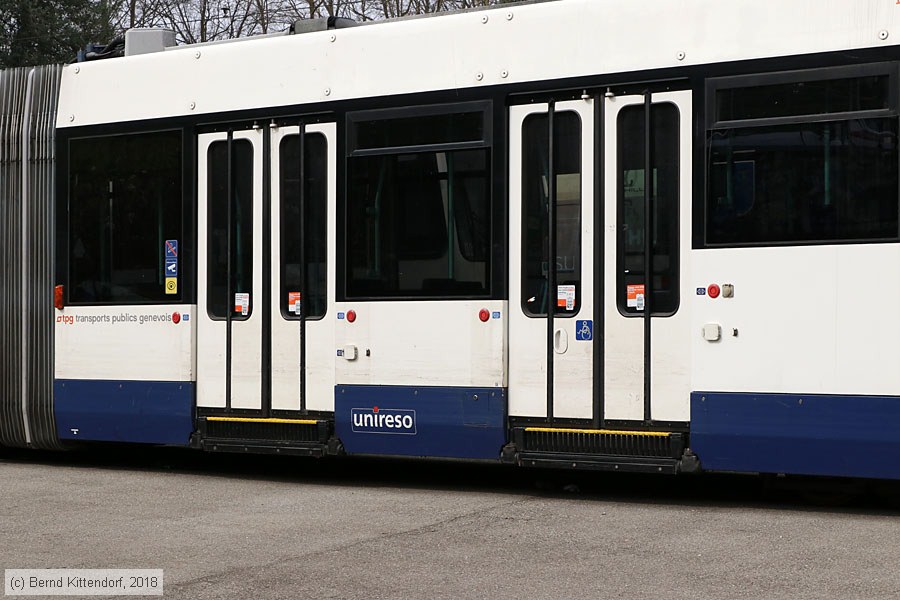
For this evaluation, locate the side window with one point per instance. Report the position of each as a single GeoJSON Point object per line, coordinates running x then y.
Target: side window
{"type": "Point", "coordinates": [125, 203]}
{"type": "Point", "coordinates": [535, 201]}
{"type": "Point", "coordinates": [315, 236]}
{"type": "Point", "coordinates": [418, 215]}
{"type": "Point", "coordinates": [806, 157]}
{"type": "Point", "coordinates": [240, 235]}
{"type": "Point", "coordinates": [663, 182]}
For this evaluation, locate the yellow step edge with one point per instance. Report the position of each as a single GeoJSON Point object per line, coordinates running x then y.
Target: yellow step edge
{"type": "Point", "coordinates": [252, 420]}
{"type": "Point", "coordinates": [600, 431]}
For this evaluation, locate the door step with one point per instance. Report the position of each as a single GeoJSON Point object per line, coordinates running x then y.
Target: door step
{"type": "Point", "coordinates": [599, 449]}
{"type": "Point", "coordinates": [298, 437]}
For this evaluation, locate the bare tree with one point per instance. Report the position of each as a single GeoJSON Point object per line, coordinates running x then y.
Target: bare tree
{"type": "Point", "coordinates": [208, 20]}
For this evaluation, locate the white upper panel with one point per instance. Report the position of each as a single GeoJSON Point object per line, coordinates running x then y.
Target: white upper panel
{"type": "Point", "coordinates": [509, 44]}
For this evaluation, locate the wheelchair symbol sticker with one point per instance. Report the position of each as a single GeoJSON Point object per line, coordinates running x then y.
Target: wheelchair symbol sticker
{"type": "Point", "coordinates": [584, 331]}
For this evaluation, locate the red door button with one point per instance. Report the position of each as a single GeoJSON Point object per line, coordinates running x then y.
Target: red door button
{"type": "Point", "coordinates": [484, 315]}
{"type": "Point", "coordinates": [713, 290]}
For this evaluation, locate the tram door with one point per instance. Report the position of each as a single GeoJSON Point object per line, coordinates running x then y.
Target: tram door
{"type": "Point", "coordinates": [550, 360]}
{"type": "Point", "coordinates": [646, 332]}
{"type": "Point", "coordinates": [637, 324]}
{"type": "Point", "coordinates": [229, 290]}
{"type": "Point", "coordinates": [302, 363]}
{"type": "Point", "coordinates": [254, 311]}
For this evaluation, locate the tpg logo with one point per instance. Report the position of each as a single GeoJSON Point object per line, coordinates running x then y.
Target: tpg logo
{"type": "Point", "coordinates": [384, 420]}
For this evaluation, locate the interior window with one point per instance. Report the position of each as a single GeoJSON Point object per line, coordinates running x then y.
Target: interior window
{"type": "Point", "coordinates": [422, 130]}
{"type": "Point", "coordinates": [419, 218]}
{"type": "Point", "coordinates": [803, 182]}
{"type": "Point", "coordinates": [125, 204]}
{"type": "Point", "coordinates": [803, 161]}
{"type": "Point", "coordinates": [803, 98]}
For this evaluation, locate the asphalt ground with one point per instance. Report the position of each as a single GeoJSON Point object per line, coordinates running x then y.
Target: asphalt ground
{"type": "Point", "coordinates": [237, 526]}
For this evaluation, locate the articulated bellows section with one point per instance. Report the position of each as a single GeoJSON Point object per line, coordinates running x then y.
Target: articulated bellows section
{"type": "Point", "coordinates": [28, 101]}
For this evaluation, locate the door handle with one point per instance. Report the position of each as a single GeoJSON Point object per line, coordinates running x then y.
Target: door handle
{"type": "Point", "coordinates": [560, 341]}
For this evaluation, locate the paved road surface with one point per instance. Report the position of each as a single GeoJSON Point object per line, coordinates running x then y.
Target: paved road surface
{"type": "Point", "coordinates": [226, 526]}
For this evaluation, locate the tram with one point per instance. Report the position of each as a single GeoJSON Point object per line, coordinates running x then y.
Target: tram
{"type": "Point", "coordinates": [591, 234]}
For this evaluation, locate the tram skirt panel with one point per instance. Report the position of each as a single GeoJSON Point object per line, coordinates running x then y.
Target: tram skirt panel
{"type": "Point", "coordinates": [140, 412]}
{"type": "Point", "coordinates": [846, 436]}
{"type": "Point", "coordinates": [447, 422]}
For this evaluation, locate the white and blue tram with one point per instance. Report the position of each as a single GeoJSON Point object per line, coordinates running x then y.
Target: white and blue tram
{"type": "Point", "coordinates": [653, 236]}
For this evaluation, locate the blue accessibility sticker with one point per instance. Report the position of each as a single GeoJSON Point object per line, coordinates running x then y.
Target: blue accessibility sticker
{"type": "Point", "coordinates": [584, 330]}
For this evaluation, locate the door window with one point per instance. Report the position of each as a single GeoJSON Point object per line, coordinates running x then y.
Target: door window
{"type": "Point", "coordinates": [535, 215]}
{"type": "Point", "coordinates": [315, 234]}
{"type": "Point", "coordinates": [241, 234]}
{"type": "Point", "coordinates": [664, 184]}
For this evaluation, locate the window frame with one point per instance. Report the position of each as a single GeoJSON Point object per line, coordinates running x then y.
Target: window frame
{"type": "Point", "coordinates": [351, 150]}
{"type": "Point", "coordinates": [282, 268]}
{"type": "Point", "coordinates": [713, 85]}
{"type": "Point", "coordinates": [431, 110]}
{"type": "Point", "coordinates": [674, 244]}
{"type": "Point", "coordinates": [209, 223]}
{"type": "Point", "coordinates": [581, 200]}
{"type": "Point", "coordinates": [711, 125]}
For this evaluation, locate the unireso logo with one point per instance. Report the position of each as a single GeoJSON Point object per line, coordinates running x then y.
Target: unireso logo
{"type": "Point", "coordinates": [394, 421]}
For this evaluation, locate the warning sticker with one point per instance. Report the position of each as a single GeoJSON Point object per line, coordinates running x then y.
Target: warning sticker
{"type": "Point", "coordinates": [635, 296]}
{"type": "Point", "coordinates": [171, 248]}
{"type": "Point", "coordinates": [171, 285]}
{"type": "Point", "coordinates": [242, 303]}
{"type": "Point", "coordinates": [565, 297]}
{"type": "Point", "coordinates": [294, 302]}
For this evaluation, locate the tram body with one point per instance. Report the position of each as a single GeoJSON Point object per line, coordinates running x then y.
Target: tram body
{"type": "Point", "coordinates": [337, 242]}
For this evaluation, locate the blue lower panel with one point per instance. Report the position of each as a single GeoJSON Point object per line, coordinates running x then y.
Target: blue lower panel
{"type": "Point", "coordinates": [145, 412]}
{"type": "Point", "coordinates": [421, 421]}
{"type": "Point", "coordinates": [849, 436]}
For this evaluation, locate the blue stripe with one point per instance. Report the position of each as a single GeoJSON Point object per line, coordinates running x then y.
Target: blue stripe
{"type": "Point", "coordinates": [447, 422]}
{"type": "Point", "coordinates": [848, 436]}
{"type": "Point", "coordinates": [145, 412]}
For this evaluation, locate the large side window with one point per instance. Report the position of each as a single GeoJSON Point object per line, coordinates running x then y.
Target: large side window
{"type": "Point", "coordinates": [125, 203]}
{"type": "Point", "coordinates": [535, 200]}
{"type": "Point", "coordinates": [418, 218]}
{"type": "Point", "coordinates": [240, 236]}
{"type": "Point", "coordinates": [803, 157]}
{"type": "Point", "coordinates": [315, 173]}
{"type": "Point", "coordinates": [633, 181]}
